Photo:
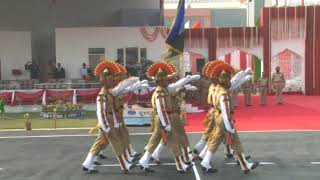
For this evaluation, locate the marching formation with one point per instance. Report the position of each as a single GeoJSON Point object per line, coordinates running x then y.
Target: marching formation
{"type": "Point", "coordinates": [169, 117]}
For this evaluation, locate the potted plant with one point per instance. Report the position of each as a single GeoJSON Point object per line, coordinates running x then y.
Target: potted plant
{"type": "Point", "coordinates": [27, 121]}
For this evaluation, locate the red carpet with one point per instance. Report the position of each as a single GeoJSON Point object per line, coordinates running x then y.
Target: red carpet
{"type": "Point", "coordinates": [297, 113]}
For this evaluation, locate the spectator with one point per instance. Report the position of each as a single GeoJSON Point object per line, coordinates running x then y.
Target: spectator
{"type": "Point", "coordinates": [34, 71]}
{"type": "Point", "coordinates": [84, 72]}
{"type": "Point", "coordinates": [60, 72]}
{"type": "Point", "coordinates": [51, 69]}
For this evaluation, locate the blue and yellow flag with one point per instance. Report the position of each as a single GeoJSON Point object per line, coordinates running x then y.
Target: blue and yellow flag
{"type": "Point", "coordinates": [175, 39]}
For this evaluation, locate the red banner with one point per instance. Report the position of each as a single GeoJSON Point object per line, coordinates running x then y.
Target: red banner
{"type": "Point", "coordinates": [29, 95]}
{"type": "Point", "coordinates": [59, 94]}
{"type": "Point", "coordinates": [88, 93]}
{"type": "Point", "coordinates": [6, 96]}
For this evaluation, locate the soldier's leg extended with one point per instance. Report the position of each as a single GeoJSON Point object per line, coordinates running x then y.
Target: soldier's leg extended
{"type": "Point", "coordinates": [216, 137]}
{"type": "Point", "coordinates": [98, 145]}
{"type": "Point", "coordinates": [209, 124]}
{"type": "Point", "coordinates": [237, 146]}
{"type": "Point", "coordinates": [151, 146]}
{"type": "Point", "coordinates": [173, 145]}
{"type": "Point", "coordinates": [118, 148]}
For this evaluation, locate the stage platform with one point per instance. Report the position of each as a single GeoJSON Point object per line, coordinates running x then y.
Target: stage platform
{"type": "Point", "coordinates": [298, 112]}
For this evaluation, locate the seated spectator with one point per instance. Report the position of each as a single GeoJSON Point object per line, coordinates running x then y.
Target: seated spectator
{"type": "Point", "coordinates": [60, 73]}
{"type": "Point", "coordinates": [84, 72]}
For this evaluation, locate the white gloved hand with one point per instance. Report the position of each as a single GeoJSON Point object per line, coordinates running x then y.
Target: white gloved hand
{"type": "Point", "coordinates": [106, 130]}
{"type": "Point", "coordinates": [188, 87]}
{"type": "Point", "coordinates": [168, 128]}
{"type": "Point", "coordinates": [116, 125]}
{"type": "Point", "coordinates": [195, 77]}
{"type": "Point", "coordinates": [232, 131]}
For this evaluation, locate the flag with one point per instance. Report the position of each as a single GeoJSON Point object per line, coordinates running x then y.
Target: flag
{"type": "Point", "coordinates": [187, 25]}
{"type": "Point", "coordinates": [196, 25]}
{"type": "Point", "coordinates": [175, 39]}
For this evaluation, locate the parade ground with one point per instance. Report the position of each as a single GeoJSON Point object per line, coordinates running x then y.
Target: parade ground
{"type": "Point", "coordinates": [58, 155]}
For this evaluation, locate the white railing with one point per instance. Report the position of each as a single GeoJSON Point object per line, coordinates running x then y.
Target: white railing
{"type": "Point", "coordinates": [66, 85]}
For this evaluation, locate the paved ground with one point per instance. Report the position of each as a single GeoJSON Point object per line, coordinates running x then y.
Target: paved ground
{"type": "Point", "coordinates": [35, 156]}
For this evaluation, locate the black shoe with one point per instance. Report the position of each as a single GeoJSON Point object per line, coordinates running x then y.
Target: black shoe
{"type": "Point", "coordinates": [134, 159]}
{"type": "Point", "coordinates": [96, 163]}
{"type": "Point", "coordinates": [254, 165]}
{"type": "Point", "coordinates": [228, 156]}
{"type": "Point", "coordinates": [210, 170]}
{"type": "Point", "coordinates": [189, 167]}
{"type": "Point", "coordinates": [137, 155]}
{"type": "Point", "coordinates": [155, 161]}
{"type": "Point", "coordinates": [247, 158]}
{"type": "Point", "coordinates": [101, 156]}
{"type": "Point", "coordinates": [195, 151]}
{"type": "Point", "coordinates": [148, 170]}
{"type": "Point", "coordinates": [87, 171]}
{"type": "Point", "coordinates": [126, 171]}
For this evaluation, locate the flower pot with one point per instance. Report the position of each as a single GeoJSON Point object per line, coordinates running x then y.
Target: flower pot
{"type": "Point", "coordinates": [28, 126]}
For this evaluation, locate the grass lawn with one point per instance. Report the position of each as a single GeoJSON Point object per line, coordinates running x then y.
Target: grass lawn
{"type": "Point", "coordinates": [17, 121]}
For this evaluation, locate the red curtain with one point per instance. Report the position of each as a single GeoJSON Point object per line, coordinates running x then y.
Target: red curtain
{"type": "Point", "coordinates": [7, 96]}
{"type": "Point", "coordinates": [312, 56]}
{"type": "Point", "coordinates": [87, 96]}
{"type": "Point", "coordinates": [243, 60]}
{"type": "Point", "coordinates": [29, 95]}
{"type": "Point", "coordinates": [88, 93]}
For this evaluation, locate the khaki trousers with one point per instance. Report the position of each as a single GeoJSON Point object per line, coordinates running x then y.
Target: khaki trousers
{"type": "Point", "coordinates": [247, 97]}
{"type": "Point", "coordinates": [263, 95]}
{"type": "Point", "coordinates": [156, 137]}
{"type": "Point", "coordinates": [209, 123]}
{"type": "Point", "coordinates": [218, 135]}
{"type": "Point", "coordinates": [278, 87]}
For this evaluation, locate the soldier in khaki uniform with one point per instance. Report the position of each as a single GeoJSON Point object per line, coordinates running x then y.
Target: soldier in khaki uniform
{"type": "Point", "coordinates": [224, 129]}
{"type": "Point", "coordinates": [105, 113]}
{"type": "Point", "coordinates": [247, 91]}
{"type": "Point", "coordinates": [177, 98]}
{"type": "Point", "coordinates": [111, 127]}
{"type": "Point", "coordinates": [164, 120]}
{"type": "Point", "coordinates": [278, 83]}
{"type": "Point", "coordinates": [263, 89]}
{"type": "Point", "coordinates": [209, 119]}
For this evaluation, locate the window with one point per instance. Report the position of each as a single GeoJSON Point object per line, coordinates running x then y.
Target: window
{"type": "Point", "coordinates": [132, 56]}
{"type": "Point", "coordinates": [143, 53]}
{"type": "Point", "coordinates": [95, 56]}
{"type": "Point", "coordinates": [96, 51]}
{"type": "Point", "coordinates": [120, 56]}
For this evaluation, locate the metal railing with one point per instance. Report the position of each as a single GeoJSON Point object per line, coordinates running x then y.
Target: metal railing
{"type": "Point", "coordinates": [66, 85]}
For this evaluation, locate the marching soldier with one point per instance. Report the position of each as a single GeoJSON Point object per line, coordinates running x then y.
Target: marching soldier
{"type": "Point", "coordinates": [263, 89]}
{"type": "Point", "coordinates": [209, 119]}
{"type": "Point", "coordinates": [111, 125]}
{"type": "Point", "coordinates": [164, 122]}
{"type": "Point", "coordinates": [177, 99]}
{"type": "Point", "coordinates": [278, 83]}
{"type": "Point", "coordinates": [224, 129]}
{"type": "Point", "coordinates": [107, 125]}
